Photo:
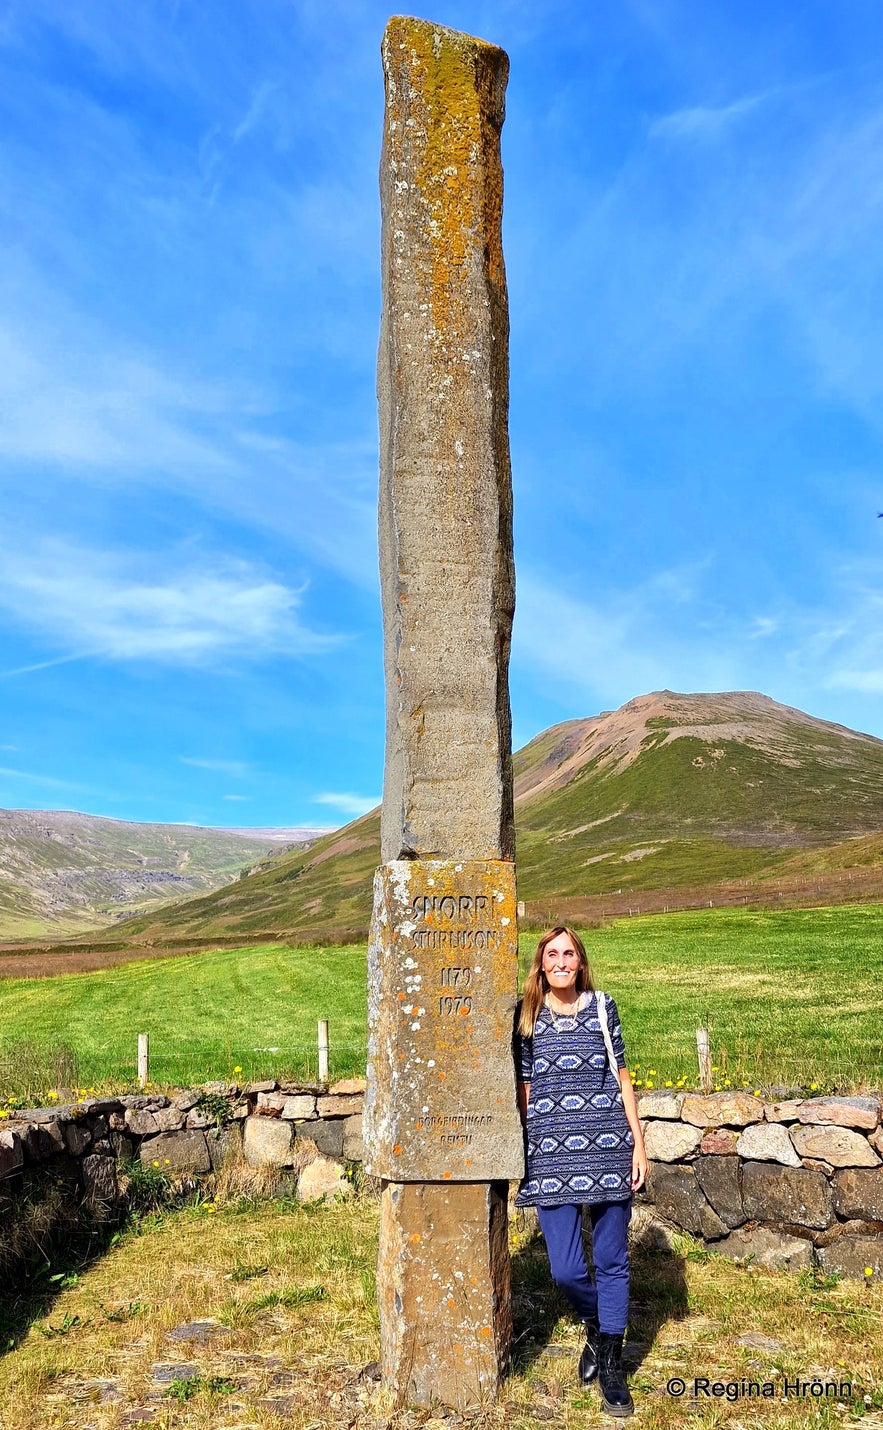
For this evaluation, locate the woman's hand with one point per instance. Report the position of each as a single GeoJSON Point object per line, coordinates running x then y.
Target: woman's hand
{"type": "Point", "coordinates": [639, 1166]}
{"type": "Point", "coordinates": [639, 1156]}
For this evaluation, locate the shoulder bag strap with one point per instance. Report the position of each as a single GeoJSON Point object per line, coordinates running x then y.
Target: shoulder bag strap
{"type": "Point", "coordinates": [605, 1031]}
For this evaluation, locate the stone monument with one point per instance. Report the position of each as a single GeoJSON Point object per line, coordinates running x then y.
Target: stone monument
{"type": "Point", "coordinates": [442, 1128]}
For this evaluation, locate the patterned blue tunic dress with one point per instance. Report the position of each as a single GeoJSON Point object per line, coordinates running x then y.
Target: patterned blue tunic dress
{"type": "Point", "coordinates": [579, 1143]}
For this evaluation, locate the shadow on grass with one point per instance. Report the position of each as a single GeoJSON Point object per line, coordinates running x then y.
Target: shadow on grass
{"type": "Point", "coordinates": [29, 1290]}
{"type": "Point", "coordinates": [50, 1235]}
{"type": "Point", "coordinates": [658, 1295]}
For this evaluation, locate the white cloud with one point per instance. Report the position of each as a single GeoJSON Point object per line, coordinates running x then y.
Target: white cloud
{"type": "Point", "coordinates": [704, 121]}
{"type": "Point", "coordinates": [30, 778]}
{"type": "Point", "coordinates": [351, 804]}
{"type": "Point", "coordinates": [132, 606]}
{"type": "Point", "coordinates": [237, 768]}
{"type": "Point", "coordinates": [239, 798]}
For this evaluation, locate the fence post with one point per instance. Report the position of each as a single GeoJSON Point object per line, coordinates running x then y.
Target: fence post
{"type": "Point", "coordinates": [323, 1049]}
{"type": "Point", "coordinates": [703, 1051]}
{"type": "Point", "coordinates": [143, 1059]}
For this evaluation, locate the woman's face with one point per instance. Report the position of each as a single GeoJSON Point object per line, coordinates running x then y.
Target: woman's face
{"type": "Point", "coordinates": [561, 964]}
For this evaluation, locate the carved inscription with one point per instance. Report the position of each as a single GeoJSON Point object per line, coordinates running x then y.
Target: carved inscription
{"type": "Point", "coordinates": [447, 947]}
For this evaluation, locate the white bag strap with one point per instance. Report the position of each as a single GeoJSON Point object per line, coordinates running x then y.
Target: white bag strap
{"type": "Point", "coordinates": [605, 1031]}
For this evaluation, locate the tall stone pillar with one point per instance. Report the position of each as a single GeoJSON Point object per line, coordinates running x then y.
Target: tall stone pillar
{"type": "Point", "coordinates": [442, 1128]}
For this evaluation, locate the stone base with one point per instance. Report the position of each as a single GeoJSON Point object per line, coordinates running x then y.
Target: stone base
{"type": "Point", "coordinates": [443, 1289]}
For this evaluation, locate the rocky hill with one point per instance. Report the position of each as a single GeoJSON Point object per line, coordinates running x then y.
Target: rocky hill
{"type": "Point", "coordinates": [668, 791]}
{"type": "Point", "coordinates": [63, 872]}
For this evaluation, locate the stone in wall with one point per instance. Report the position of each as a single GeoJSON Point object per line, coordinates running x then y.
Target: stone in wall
{"type": "Point", "coordinates": [76, 1138]}
{"type": "Point", "coordinates": [268, 1142]}
{"type": "Point", "coordinates": [328, 1136]}
{"type": "Point", "coordinates": [670, 1141]}
{"type": "Point", "coordinates": [11, 1152]}
{"type": "Point", "coordinates": [767, 1142]}
{"type": "Point", "coordinates": [841, 1111]}
{"type": "Point", "coordinates": [677, 1196]}
{"type": "Point", "coordinates": [858, 1192]}
{"type": "Point", "coordinates": [838, 1145]}
{"type": "Point", "coordinates": [719, 1142]}
{"type": "Point", "coordinates": [353, 1144]}
{"type": "Point", "coordinates": [721, 1180]}
{"type": "Point", "coordinates": [816, 1164]}
{"type": "Point", "coordinates": [850, 1255]}
{"type": "Point", "coordinates": [347, 1086]}
{"type": "Point", "coordinates": [299, 1108]}
{"type": "Point", "coordinates": [169, 1119]}
{"type": "Point", "coordinates": [99, 1178]}
{"type": "Point", "coordinates": [141, 1123]}
{"type": "Point", "coordinates": [323, 1178]}
{"type": "Point", "coordinates": [722, 1109]}
{"type": "Point", "coordinates": [177, 1151]}
{"type": "Point", "coordinates": [782, 1111]}
{"type": "Point", "coordinates": [339, 1106]}
{"type": "Point", "coordinates": [773, 1249]}
{"type": "Point", "coordinates": [224, 1145]}
{"type": "Point", "coordinates": [666, 1105]}
{"type": "Point", "coordinates": [786, 1194]}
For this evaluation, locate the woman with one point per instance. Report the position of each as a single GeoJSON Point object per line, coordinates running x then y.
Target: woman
{"type": "Point", "coordinates": [584, 1146]}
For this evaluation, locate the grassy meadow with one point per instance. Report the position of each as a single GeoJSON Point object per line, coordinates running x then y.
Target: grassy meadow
{"type": "Point", "coordinates": [294, 1341]}
{"type": "Point", "coordinates": [790, 996]}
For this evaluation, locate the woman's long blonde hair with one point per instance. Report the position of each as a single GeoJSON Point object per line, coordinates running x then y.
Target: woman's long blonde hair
{"type": "Point", "coordinates": [536, 985]}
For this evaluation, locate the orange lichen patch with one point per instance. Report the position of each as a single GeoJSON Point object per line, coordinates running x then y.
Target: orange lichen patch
{"type": "Point", "coordinates": [401, 997]}
{"type": "Point", "coordinates": [451, 88]}
{"type": "Point", "coordinates": [397, 1149]}
{"type": "Point", "coordinates": [447, 1176]}
{"type": "Point", "coordinates": [415, 1236]}
{"type": "Point", "coordinates": [419, 1126]}
{"type": "Point", "coordinates": [485, 1331]}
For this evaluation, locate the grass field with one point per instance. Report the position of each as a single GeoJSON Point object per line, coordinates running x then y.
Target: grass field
{"type": "Point", "coordinates": [791, 997]}
{"type": "Point", "coordinates": [291, 1291]}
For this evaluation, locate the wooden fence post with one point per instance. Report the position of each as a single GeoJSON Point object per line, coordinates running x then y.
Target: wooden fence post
{"type": "Point", "coordinates": [323, 1049]}
{"type": "Point", "coordinates": [703, 1051]}
{"type": "Point", "coordinates": [143, 1059]}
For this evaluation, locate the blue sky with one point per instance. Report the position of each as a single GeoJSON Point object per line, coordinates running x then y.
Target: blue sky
{"type": "Point", "coordinates": [189, 305]}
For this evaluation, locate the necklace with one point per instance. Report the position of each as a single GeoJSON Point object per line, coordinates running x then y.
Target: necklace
{"type": "Point", "coordinates": [564, 1020]}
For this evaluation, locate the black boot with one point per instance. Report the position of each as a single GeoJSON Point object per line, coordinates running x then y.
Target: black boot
{"type": "Point", "coordinates": [588, 1361]}
{"type": "Point", "coordinates": [615, 1398]}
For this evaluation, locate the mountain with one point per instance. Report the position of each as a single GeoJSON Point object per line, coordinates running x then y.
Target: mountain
{"type": "Point", "coordinates": [62, 872]}
{"type": "Point", "coordinates": [668, 791]}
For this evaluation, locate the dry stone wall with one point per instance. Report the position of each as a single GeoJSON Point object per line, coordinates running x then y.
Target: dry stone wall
{"type": "Point", "coordinates": [788, 1184]}
{"type": "Point", "coordinates": [312, 1131]}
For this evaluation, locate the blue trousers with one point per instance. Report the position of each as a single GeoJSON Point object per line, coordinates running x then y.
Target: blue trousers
{"type": "Point", "coordinates": [608, 1297]}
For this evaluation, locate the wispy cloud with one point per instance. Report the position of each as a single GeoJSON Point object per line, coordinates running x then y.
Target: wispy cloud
{"type": "Point", "coordinates": [47, 781]}
{"type": "Point", "coordinates": [237, 768]}
{"type": "Point", "coordinates": [704, 121]}
{"type": "Point", "coordinates": [238, 798]}
{"type": "Point", "coordinates": [131, 606]}
{"type": "Point", "coordinates": [349, 804]}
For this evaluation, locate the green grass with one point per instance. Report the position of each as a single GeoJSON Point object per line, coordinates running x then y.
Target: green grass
{"type": "Point", "coordinates": [791, 996]}
{"type": "Point", "coordinates": [207, 1014]}
{"type": "Point", "coordinates": [300, 1359]}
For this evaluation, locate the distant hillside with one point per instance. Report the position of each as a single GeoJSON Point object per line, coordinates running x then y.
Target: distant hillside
{"type": "Point", "coordinates": [62, 872]}
{"type": "Point", "coordinates": [670, 790]}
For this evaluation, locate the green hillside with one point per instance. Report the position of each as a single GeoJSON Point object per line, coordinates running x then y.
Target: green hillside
{"type": "Point", "coordinates": [61, 872]}
{"type": "Point", "coordinates": [670, 790]}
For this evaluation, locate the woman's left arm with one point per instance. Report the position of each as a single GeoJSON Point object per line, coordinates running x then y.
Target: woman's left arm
{"type": "Point", "coordinates": [630, 1107]}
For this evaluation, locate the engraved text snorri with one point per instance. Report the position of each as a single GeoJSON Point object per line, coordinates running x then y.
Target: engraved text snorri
{"type": "Point", "coordinates": [442, 974]}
